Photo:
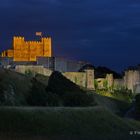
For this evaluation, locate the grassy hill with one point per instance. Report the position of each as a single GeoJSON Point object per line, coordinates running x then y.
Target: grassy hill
{"type": "Point", "coordinates": [64, 123]}
{"type": "Point", "coordinates": [15, 86]}
{"type": "Point", "coordinates": [116, 106]}
{"type": "Point", "coordinates": [22, 90]}
{"type": "Point", "coordinates": [101, 121]}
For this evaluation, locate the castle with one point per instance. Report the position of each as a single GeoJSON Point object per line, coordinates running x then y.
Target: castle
{"type": "Point", "coordinates": [29, 50]}
{"type": "Point", "coordinates": [36, 56]}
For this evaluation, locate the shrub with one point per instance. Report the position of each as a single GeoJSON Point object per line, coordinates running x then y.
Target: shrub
{"type": "Point", "coordinates": [37, 95]}
{"type": "Point", "coordinates": [60, 85]}
{"type": "Point", "coordinates": [68, 93]}
{"type": "Point", "coordinates": [29, 73]}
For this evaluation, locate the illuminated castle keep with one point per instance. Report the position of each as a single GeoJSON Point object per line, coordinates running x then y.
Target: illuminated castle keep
{"type": "Point", "coordinates": [29, 50]}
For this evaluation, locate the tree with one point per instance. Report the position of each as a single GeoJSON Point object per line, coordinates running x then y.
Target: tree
{"type": "Point", "coordinates": [37, 95]}
{"type": "Point", "coordinates": [68, 93]}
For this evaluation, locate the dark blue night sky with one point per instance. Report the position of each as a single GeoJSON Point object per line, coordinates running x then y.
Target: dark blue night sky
{"type": "Point", "coordinates": [103, 32]}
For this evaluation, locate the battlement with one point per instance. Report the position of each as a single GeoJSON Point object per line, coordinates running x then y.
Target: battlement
{"type": "Point", "coordinates": [33, 42]}
{"type": "Point", "coordinates": [18, 38]}
{"type": "Point", "coordinates": [29, 50]}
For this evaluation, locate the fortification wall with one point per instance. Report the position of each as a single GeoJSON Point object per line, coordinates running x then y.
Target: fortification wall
{"type": "Point", "coordinates": [90, 79]}
{"type": "Point", "coordinates": [60, 64]}
{"type": "Point", "coordinates": [108, 81]}
{"type": "Point", "coordinates": [83, 79]}
{"type": "Point", "coordinates": [118, 83]}
{"type": "Point", "coordinates": [64, 65]}
{"type": "Point", "coordinates": [132, 79]}
{"type": "Point", "coordinates": [34, 69]}
{"type": "Point", "coordinates": [47, 62]}
{"type": "Point", "coordinates": [73, 66]}
{"type": "Point", "coordinates": [100, 82]}
{"type": "Point", "coordinates": [78, 78]}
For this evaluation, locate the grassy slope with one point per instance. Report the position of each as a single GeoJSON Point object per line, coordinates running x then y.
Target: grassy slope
{"type": "Point", "coordinates": [116, 106]}
{"type": "Point", "coordinates": [63, 123]}
{"type": "Point", "coordinates": [20, 83]}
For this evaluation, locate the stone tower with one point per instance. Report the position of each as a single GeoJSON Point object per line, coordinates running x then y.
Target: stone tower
{"type": "Point", "coordinates": [29, 50]}
{"type": "Point", "coordinates": [90, 79]}
{"type": "Point", "coordinates": [132, 79]}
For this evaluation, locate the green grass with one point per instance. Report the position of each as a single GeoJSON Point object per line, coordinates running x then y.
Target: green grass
{"type": "Point", "coordinates": [18, 86]}
{"type": "Point", "coordinates": [114, 105]}
{"type": "Point", "coordinates": [64, 123]}
{"type": "Point", "coordinates": [118, 96]}
{"type": "Point", "coordinates": [50, 123]}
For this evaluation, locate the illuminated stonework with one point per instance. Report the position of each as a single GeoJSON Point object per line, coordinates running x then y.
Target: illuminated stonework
{"type": "Point", "coordinates": [29, 50]}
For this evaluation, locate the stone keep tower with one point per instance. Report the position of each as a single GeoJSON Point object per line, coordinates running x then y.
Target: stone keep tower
{"type": "Point", "coordinates": [132, 80]}
{"type": "Point", "coordinates": [90, 79]}
{"type": "Point", "coordinates": [29, 50]}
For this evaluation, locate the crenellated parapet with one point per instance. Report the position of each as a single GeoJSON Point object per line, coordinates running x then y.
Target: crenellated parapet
{"type": "Point", "coordinates": [29, 50]}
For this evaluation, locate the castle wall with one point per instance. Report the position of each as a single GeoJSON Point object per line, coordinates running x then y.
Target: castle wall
{"type": "Point", "coordinates": [34, 69]}
{"type": "Point", "coordinates": [132, 79]}
{"type": "Point", "coordinates": [64, 65]}
{"type": "Point", "coordinates": [100, 82]}
{"type": "Point", "coordinates": [90, 79]}
{"type": "Point", "coordinates": [118, 83]}
{"type": "Point", "coordinates": [60, 64]}
{"type": "Point", "coordinates": [82, 79]}
{"type": "Point", "coordinates": [78, 78]}
{"type": "Point", "coordinates": [74, 65]}
{"type": "Point", "coordinates": [47, 62]}
{"type": "Point", "coordinates": [109, 80]}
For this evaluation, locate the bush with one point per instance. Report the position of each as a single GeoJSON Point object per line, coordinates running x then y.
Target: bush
{"type": "Point", "coordinates": [29, 73]}
{"type": "Point", "coordinates": [60, 85]}
{"type": "Point", "coordinates": [68, 93]}
{"type": "Point", "coordinates": [37, 95]}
